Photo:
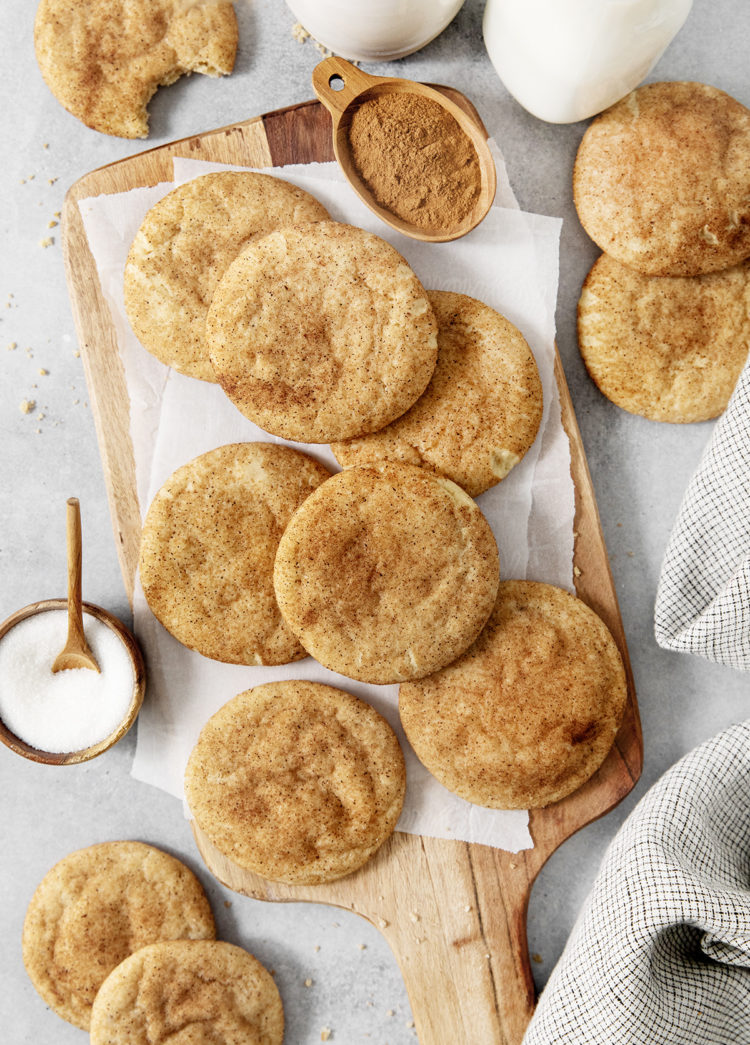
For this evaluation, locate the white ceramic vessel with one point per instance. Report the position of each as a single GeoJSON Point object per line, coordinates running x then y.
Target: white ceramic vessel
{"type": "Point", "coordinates": [374, 30]}
{"type": "Point", "coordinates": [565, 60]}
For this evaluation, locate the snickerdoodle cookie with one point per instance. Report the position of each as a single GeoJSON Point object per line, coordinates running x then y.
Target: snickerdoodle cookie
{"type": "Point", "coordinates": [104, 59]}
{"type": "Point", "coordinates": [203, 992]}
{"type": "Point", "coordinates": [387, 572]}
{"type": "Point", "coordinates": [481, 410]}
{"type": "Point", "coordinates": [321, 331]}
{"type": "Point", "coordinates": [183, 248]}
{"type": "Point", "coordinates": [98, 905]}
{"type": "Point", "coordinates": [530, 711]}
{"type": "Point", "coordinates": [662, 180]}
{"type": "Point", "coordinates": [296, 781]}
{"type": "Point", "coordinates": [208, 548]}
{"type": "Point", "coordinates": [667, 347]}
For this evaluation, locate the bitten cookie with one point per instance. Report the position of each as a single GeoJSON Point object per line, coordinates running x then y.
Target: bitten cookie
{"type": "Point", "coordinates": [188, 991]}
{"type": "Point", "coordinates": [662, 180]}
{"type": "Point", "coordinates": [530, 711]}
{"type": "Point", "coordinates": [481, 410]}
{"type": "Point", "coordinates": [670, 348]}
{"type": "Point", "coordinates": [98, 905]}
{"type": "Point", "coordinates": [387, 572]}
{"type": "Point", "coordinates": [321, 332]}
{"type": "Point", "coordinates": [296, 781]}
{"type": "Point", "coordinates": [208, 547]}
{"type": "Point", "coordinates": [183, 248]}
{"type": "Point", "coordinates": [104, 59]}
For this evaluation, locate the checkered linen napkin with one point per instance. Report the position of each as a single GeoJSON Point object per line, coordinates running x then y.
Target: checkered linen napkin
{"type": "Point", "coordinates": [661, 952]}
{"type": "Point", "coordinates": [703, 599]}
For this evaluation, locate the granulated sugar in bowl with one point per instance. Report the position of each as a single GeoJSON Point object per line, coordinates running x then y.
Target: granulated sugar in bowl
{"type": "Point", "coordinates": [75, 711]}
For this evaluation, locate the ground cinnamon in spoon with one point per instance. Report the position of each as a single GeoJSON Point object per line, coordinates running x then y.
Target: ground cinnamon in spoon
{"type": "Point", "coordinates": [415, 159]}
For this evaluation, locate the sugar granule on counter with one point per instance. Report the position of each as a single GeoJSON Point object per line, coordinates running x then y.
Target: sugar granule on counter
{"type": "Point", "coordinates": [67, 710]}
{"type": "Point", "coordinates": [27, 405]}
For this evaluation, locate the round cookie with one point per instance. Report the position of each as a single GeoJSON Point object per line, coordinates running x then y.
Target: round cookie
{"type": "Point", "coordinates": [321, 332]}
{"type": "Point", "coordinates": [530, 711]}
{"type": "Point", "coordinates": [296, 781]}
{"type": "Point", "coordinates": [661, 180]}
{"type": "Point", "coordinates": [208, 548]}
{"type": "Point", "coordinates": [387, 572]}
{"type": "Point", "coordinates": [481, 410]}
{"type": "Point", "coordinates": [188, 991]}
{"type": "Point", "coordinates": [183, 248]}
{"type": "Point", "coordinates": [104, 59]}
{"type": "Point", "coordinates": [98, 905]}
{"type": "Point", "coordinates": [669, 348]}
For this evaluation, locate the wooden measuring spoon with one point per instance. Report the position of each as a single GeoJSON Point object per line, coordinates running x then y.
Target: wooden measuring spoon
{"type": "Point", "coordinates": [343, 88]}
{"type": "Point", "coordinates": [76, 652]}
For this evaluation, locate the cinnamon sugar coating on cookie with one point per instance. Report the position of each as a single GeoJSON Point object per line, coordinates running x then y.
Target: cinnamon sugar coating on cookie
{"type": "Point", "coordinates": [296, 781]}
{"type": "Point", "coordinates": [188, 991]}
{"type": "Point", "coordinates": [662, 180]}
{"type": "Point", "coordinates": [104, 59]}
{"type": "Point", "coordinates": [481, 410]}
{"type": "Point", "coordinates": [530, 711]}
{"type": "Point", "coordinates": [387, 572]}
{"type": "Point", "coordinates": [99, 905]}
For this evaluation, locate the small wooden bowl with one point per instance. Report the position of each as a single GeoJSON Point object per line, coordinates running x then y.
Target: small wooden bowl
{"type": "Point", "coordinates": [68, 758]}
{"type": "Point", "coordinates": [359, 87]}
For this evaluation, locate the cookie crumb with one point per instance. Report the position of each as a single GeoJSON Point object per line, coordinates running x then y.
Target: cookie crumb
{"type": "Point", "coordinates": [576, 571]}
{"type": "Point", "coordinates": [362, 946]}
{"type": "Point", "coordinates": [27, 405]}
{"type": "Point", "coordinates": [47, 242]}
{"type": "Point", "coordinates": [299, 33]}
{"type": "Point", "coordinates": [382, 923]}
{"type": "Point", "coordinates": [325, 1033]}
{"type": "Point", "coordinates": [227, 903]}
{"type": "Point", "coordinates": [316, 948]}
{"type": "Point", "coordinates": [390, 1013]}
{"type": "Point", "coordinates": [45, 145]}
{"type": "Point", "coordinates": [43, 372]}
{"type": "Point", "coordinates": [51, 224]}
{"type": "Point", "coordinates": [537, 958]}
{"type": "Point", "coordinates": [51, 181]}
{"type": "Point", "coordinates": [467, 908]}
{"type": "Point", "coordinates": [308, 982]}
{"type": "Point", "coordinates": [12, 346]}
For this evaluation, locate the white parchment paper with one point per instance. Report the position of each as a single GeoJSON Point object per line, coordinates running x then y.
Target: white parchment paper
{"type": "Point", "coordinates": [510, 262]}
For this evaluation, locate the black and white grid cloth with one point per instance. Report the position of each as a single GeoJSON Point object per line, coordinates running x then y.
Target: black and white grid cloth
{"type": "Point", "coordinates": [703, 599]}
{"type": "Point", "coordinates": [660, 954]}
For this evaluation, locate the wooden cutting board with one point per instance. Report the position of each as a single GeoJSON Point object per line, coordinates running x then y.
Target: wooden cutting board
{"type": "Point", "coordinates": [453, 913]}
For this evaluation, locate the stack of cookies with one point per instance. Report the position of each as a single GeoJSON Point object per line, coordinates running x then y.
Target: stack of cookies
{"type": "Point", "coordinates": [662, 184]}
{"type": "Point", "coordinates": [119, 940]}
{"type": "Point", "coordinates": [386, 572]}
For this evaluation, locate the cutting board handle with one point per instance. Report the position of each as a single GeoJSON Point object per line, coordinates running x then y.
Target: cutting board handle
{"type": "Point", "coordinates": [455, 918]}
{"type": "Point", "coordinates": [459, 937]}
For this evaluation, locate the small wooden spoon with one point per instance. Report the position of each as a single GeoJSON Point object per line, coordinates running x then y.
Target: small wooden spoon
{"type": "Point", "coordinates": [76, 653]}
{"type": "Point", "coordinates": [343, 88]}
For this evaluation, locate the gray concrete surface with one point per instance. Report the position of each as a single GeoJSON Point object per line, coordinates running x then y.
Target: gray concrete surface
{"type": "Point", "coordinates": [639, 469]}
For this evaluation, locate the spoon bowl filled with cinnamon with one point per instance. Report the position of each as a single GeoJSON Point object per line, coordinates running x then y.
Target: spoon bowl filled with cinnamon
{"type": "Point", "coordinates": [412, 155]}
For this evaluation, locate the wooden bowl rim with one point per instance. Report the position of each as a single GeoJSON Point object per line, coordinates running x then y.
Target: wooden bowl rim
{"type": "Point", "coordinates": [66, 758]}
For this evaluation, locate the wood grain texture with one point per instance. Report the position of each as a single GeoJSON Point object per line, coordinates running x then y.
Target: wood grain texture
{"type": "Point", "coordinates": [453, 913]}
